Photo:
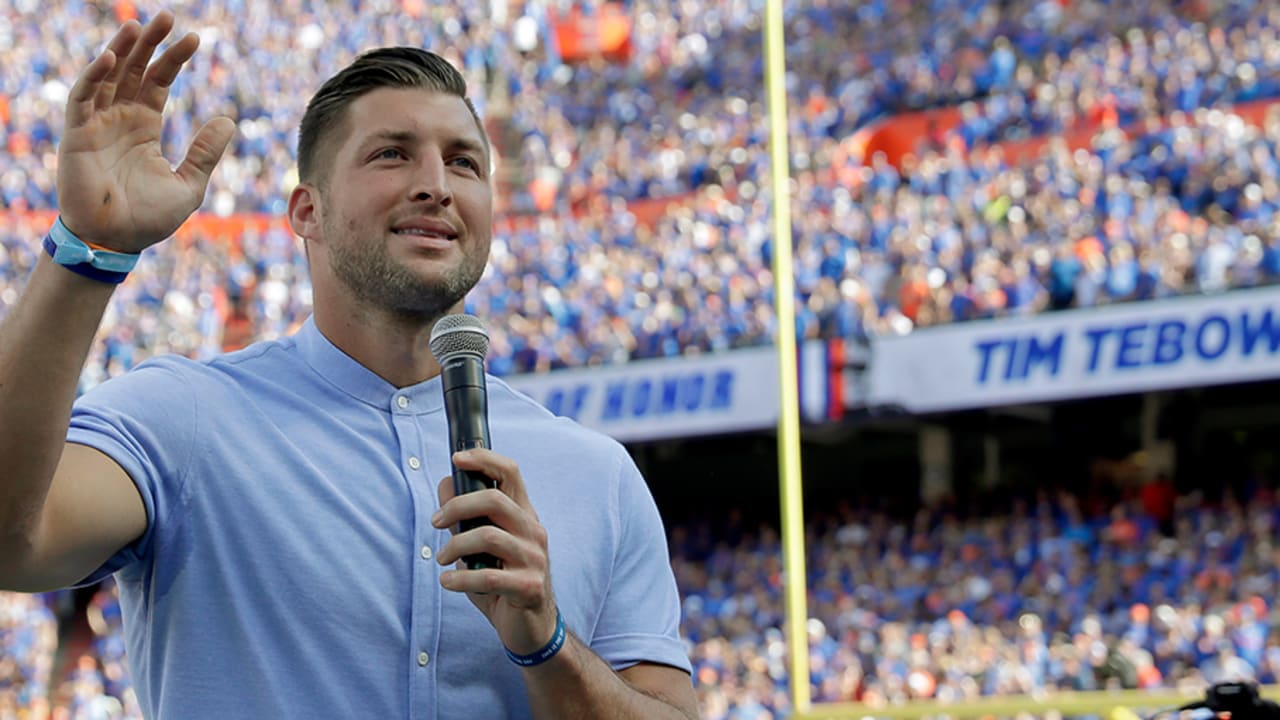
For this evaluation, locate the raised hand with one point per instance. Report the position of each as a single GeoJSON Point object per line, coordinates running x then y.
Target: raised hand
{"type": "Point", "coordinates": [517, 598]}
{"type": "Point", "coordinates": [115, 187]}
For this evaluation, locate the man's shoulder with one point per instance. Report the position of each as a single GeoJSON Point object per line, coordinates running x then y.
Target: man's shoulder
{"type": "Point", "coordinates": [255, 356]}
{"type": "Point", "coordinates": [162, 374]}
{"type": "Point", "coordinates": [262, 356]}
{"type": "Point", "coordinates": [538, 424]}
{"type": "Point", "coordinates": [507, 399]}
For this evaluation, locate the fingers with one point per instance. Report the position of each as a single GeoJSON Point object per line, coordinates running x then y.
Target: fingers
{"type": "Point", "coordinates": [516, 553]}
{"type": "Point", "coordinates": [508, 506]}
{"type": "Point", "coordinates": [205, 151]}
{"type": "Point", "coordinates": [135, 65]}
{"type": "Point", "coordinates": [131, 79]}
{"type": "Point", "coordinates": [516, 537]}
{"type": "Point", "coordinates": [522, 588]}
{"type": "Point", "coordinates": [523, 577]}
{"type": "Point", "coordinates": [154, 89]}
{"type": "Point", "coordinates": [500, 468]}
{"type": "Point", "coordinates": [492, 504]}
{"type": "Point", "coordinates": [80, 101]}
{"type": "Point", "coordinates": [120, 46]}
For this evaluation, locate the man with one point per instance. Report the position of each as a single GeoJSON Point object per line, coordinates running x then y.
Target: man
{"type": "Point", "coordinates": [268, 515]}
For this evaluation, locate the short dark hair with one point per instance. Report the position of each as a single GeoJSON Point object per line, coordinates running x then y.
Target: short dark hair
{"type": "Point", "coordinates": [389, 67]}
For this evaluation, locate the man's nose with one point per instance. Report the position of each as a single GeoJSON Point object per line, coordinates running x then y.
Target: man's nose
{"type": "Point", "coordinates": [431, 182]}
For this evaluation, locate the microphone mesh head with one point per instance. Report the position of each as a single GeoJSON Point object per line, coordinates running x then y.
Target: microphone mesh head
{"type": "Point", "coordinates": [458, 335]}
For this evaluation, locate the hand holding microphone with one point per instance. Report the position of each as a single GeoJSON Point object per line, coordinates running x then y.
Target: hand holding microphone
{"type": "Point", "coordinates": [459, 344]}
{"type": "Point", "coordinates": [512, 583]}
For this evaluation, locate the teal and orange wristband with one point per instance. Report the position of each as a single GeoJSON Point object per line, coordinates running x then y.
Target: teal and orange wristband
{"type": "Point", "coordinates": [85, 260]}
{"type": "Point", "coordinates": [548, 651]}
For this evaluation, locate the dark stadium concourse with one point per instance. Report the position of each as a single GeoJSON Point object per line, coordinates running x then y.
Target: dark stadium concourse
{"type": "Point", "coordinates": [1212, 440]}
{"type": "Point", "coordinates": [703, 478]}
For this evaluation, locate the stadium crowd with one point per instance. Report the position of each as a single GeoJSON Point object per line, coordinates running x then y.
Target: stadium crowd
{"type": "Point", "coordinates": [688, 110]}
{"type": "Point", "coordinates": [1046, 596]}
{"type": "Point", "coordinates": [28, 642]}
{"type": "Point", "coordinates": [1189, 208]}
{"type": "Point", "coordinates": [1175, 195]}
{"type": "Point", "coordinates": [1053, 593]}
{"type": "Point", "coordinates": [1183, 203]}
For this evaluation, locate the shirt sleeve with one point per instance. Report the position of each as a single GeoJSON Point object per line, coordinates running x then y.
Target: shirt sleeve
{"type": "Point", "coordinates": [145, 420]}
{"type": "Point", "coordinates": [641, 618]}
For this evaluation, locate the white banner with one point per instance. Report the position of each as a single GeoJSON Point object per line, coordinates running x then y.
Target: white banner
{"type": "Point", "coordinates": [1179, 342]}
{"type": "Point", "coordinates": [676, 397]}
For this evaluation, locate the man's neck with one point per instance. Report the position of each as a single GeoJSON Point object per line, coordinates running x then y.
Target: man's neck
{"type": "Point", "coordinates": [395, 349]}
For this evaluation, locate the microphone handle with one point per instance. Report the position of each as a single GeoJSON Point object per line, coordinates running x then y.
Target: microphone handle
{"type": "Point", "coordinates": [465, 481]}
{"type": "Point", "coordinates": [467, 411]}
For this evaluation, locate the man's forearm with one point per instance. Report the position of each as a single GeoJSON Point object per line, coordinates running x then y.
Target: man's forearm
{"type": "Point", "coordinates": [578, 684]}
{"type": "Point", "coordinates": [43, 345]}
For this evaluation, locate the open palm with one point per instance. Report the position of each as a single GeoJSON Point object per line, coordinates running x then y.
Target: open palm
{"type": "Point", "coordinates": [115, 187]}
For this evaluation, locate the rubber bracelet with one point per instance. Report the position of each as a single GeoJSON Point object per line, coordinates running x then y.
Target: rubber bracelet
{"type": "Point", "coordinates": [85, 269]}
{"type": "Point", "coordinates": [548, 651]}
{"type": "Point", "coordinates": [87, 261]}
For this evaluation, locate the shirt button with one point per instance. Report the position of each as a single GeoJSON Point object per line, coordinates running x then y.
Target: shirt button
{"type": "Point", "coordinates": [415, 463]}
{"type": "Point", "coordinates": [426, 553]}
{"type": "Point", "coordinates": [402, 402]}
{"type": "Point", "coordinates": [423, 659]}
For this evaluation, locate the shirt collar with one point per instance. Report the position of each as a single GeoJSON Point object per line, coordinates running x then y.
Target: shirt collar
{"type": "Point", "coordinates": [361, 383]}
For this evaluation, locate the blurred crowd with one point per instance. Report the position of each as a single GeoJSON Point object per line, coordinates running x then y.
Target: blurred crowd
{"type": "Point", "coordinates": [1047, 596]}
{"type": "Point", "coordinates": [1054, 593]}
{"type": "Point", "coordinates": [1175, 194]}
{"type": "Point", "coordinates": [47, 671]}
{"type": "Point", "coordinates": [28, 642]}
{"type": "Point", "coordinates": [688, 110]}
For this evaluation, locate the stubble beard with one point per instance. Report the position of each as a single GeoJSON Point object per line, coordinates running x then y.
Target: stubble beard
{"type": "Point", "coordinates": [381, 284]}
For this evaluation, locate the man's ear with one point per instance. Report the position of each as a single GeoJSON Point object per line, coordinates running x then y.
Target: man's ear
{"type": "Point", "coordinates": [304, 211]}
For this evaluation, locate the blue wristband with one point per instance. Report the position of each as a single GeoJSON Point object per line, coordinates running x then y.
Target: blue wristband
{"type": "Point", "coordinates": [73, 254]}
{"type": "Point", "coordinates": [548, 651]}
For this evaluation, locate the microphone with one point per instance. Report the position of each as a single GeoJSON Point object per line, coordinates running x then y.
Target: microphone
{"type": "Point", "coordinates": [460, 343]}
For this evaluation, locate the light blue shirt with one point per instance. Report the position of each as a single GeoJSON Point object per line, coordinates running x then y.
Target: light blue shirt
{"type": "Point", "coordinates": [288, 567]}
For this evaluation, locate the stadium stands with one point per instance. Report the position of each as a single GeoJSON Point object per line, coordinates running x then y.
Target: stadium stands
{"type": "Point", "coordinates": [1181, 206]}
{"type": "Point", "coordinates": [1049, 595]}
{"type": "Point", "coordinates": [28, 642]}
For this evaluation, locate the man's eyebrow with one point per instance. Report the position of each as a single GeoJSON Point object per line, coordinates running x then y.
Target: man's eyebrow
{"type": "Point", "coordinates": [395, 136]}
{"type": "Point", "coordinates": [468, 145]}
{"type": "Point", "coordinates": [407, 137]}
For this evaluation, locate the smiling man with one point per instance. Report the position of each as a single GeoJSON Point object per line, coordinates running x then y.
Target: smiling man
{"type": "Point", "coordinates": [271, 516]}
{"type": "Point", "coordinates": [395, 205]}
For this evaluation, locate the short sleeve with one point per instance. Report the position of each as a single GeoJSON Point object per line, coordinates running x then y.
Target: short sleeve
{"type": "Point", "coordinates": [641, 617]}
{"type": "Point", "coordinates": [146, 421]}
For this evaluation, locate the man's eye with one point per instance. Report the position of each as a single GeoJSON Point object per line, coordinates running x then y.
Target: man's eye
{"type": "Point", "coordinates": [389, 153]}
{"type": "Point", "coordinates": [467, 163]}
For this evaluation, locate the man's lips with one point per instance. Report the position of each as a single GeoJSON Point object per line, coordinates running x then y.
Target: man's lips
{"type": "Point", "coordinates": [429, 238]}
{"type": "Point", "coordinates": [426, 229]}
